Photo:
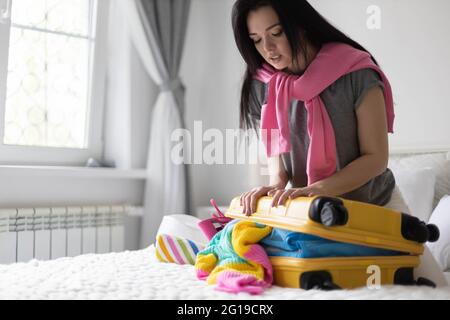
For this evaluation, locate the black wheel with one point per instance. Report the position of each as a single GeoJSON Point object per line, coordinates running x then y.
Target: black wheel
{"type": "Point", "coordinates": [313, 282]}
{"type": "Point", "coordinates": [433, 232]}
{"type": "Point", "coordinates": [333, 204]}
{"type": "Point", "coordinates": [320, 280]}
{"type": "Point", "coordinates": [329, 285]}
{"type": "Point", "coordinates": [333, 214]}
{"type": "Point", "coordinates": [421, 232]}
{"type": "Point", "coordinates": [404, 276]}
{"type": "Point", "coordinates": [425, 282]}
{"type": "Point", "coordinates": [414, 229]}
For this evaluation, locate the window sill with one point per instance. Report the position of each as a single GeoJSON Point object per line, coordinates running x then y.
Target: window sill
{"type": "Point", "coordinates": [79, 172]}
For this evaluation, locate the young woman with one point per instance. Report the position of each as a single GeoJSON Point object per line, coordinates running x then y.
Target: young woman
{"type": "Point", "coordinates": [324, 105]}
{"type": "Point", "coordinates": [288, 36]}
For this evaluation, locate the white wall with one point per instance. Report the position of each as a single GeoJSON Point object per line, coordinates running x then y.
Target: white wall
{"type": "Point", "coordinates": [412, 47]}
{"type": "Point", "coordinates": [211, 69]}
{"type": "Point", "coordinates": [132, 107]}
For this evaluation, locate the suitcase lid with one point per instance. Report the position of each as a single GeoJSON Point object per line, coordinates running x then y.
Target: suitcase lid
{"type": "Point", "coordinates": [363, 224]}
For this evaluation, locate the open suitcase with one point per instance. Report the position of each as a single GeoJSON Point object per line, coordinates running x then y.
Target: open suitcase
{"type": "Point", "coordinates": [344, 221]}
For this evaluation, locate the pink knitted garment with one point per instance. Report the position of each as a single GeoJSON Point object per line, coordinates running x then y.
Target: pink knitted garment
{"type": "Point", "coordinates": [333, 61]}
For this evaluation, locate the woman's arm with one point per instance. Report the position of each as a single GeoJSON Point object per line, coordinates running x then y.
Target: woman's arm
{"type": "Point", "coordinates": [277, 172]}
{"type": "Point", "coordinates": [373, 143]}
{"type": "Point", "coordinates": [278, 180]}
{"type": "Point", "coordinates": [374, 148]}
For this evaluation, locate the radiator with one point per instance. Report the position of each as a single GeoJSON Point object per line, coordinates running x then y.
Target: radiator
{"type": "Point", "coordinates": [50, 233]}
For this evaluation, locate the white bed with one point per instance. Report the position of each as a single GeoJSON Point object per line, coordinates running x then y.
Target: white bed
{"type": "Point", "coordinates": [138, 275]}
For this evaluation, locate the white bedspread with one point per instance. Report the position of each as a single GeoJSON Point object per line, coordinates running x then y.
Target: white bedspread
{"type": "Point", "coordinates": [137, 275]}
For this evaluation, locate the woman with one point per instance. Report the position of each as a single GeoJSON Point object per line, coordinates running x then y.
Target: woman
{"type": "Point", "coordinates": [327, 101]}
{"type": "Point", "coordinates": [355, 104]}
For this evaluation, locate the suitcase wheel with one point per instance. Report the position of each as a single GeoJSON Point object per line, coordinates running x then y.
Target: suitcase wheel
{"type": "Point", "coordinates": [433, 232]}
{"type": "Point", "coordinates": [416, 230]}
{"type": "Point", "coordinates": [328, 211]}
{"type": "Point", "coordinates": [333, 214]}
{"type": "Point", "coordinates": [320, 280]}
{"type": "Point", "coordinates": [425, 282]}
{"type": "Point", "coordinates": [405, 276]}
{"type": "Point", "coordinates": [328, 285]}
{"type": "Point", "coordinates": [420, 232]}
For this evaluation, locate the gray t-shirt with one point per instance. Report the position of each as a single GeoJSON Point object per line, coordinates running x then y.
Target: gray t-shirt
{"type": "Point", "coordinates": [341, 100]}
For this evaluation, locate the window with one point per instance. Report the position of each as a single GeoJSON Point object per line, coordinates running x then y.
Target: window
{"type": "Point", "coordinates": [52, 76]}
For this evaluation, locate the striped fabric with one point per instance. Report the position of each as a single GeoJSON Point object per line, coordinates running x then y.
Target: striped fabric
{"type": "Point", "coordinates": [177, 250]}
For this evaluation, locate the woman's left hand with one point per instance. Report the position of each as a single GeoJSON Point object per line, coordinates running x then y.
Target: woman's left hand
{"type": "Point", "coordinates": [281, 195]}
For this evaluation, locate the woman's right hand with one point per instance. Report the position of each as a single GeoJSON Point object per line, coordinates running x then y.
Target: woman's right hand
{"type": "Point", "coordinates": [249, 199]}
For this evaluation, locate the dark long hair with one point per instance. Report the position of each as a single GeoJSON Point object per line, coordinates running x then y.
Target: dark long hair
{"type": "Point", "coordinates": [295, 16]}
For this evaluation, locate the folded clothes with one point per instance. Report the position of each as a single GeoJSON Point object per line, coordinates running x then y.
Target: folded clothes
{"type": "Point", "coordinates": [234, 261]}
{"type": "Point", "coordinates": [300, 245]}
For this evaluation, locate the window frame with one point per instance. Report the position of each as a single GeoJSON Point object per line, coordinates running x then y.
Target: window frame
{"type": "Point", "coordinates": [37, 155]}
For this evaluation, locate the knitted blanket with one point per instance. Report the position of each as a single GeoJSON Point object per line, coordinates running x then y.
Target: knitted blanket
{"type": "Point", "coordinates": [234, 261]}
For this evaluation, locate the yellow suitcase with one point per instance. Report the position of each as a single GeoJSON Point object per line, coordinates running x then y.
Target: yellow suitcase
{"type": "Point", "coordinates": [349, 222]}
{"type": "Point", "coordinates": [344, 221]}
{"type": "Point", "coordinates": [345, 272]}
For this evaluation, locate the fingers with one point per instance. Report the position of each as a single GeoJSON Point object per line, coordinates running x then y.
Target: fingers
{"type": "Point", "coordinates": [247, 203]}
{"type": "Point", "coordinates": [241, 199]}
{"type": "Point", "coordinates": [284, 196]}
{"type": "Point", "coordinates": [280, 196]}
{"type": "Point", "coordinates": [244, 196]}
{"type": "Point", "coordinates": [253, 200]}
{"type": "Point", "coordinates": [255, 196]}
{"type": "Point", "coordinates": [276, 196]}
{"type": "Point", "coordinates": [250, 199]}
{"type": "Point", "coordinates": [247, 200]}
{"type": "Point", "coordinates": [298, 193]}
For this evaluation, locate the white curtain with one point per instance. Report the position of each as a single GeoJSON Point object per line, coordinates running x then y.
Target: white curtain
{"type": "Point", "coordinates": [166, 186]}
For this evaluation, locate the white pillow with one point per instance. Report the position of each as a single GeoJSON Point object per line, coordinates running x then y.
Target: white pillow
{"type": "Point", "coordinates": [441, 248]}
{"type": "Point", "coordinates": [442, 181]}
{"type": "Point", "coordinates": [417, 188]}
{"type": "Point", "coordinates": [183, 226]}
{"type": "Point", "coordinates": [439, 162]}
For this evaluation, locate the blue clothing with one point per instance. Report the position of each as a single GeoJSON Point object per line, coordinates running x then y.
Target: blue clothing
{"type": "Point", "coordinates": [286, 243]}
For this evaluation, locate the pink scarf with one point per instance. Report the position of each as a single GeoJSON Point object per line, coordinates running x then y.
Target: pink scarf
{"type": "Point", "coordinates": [333, 61]}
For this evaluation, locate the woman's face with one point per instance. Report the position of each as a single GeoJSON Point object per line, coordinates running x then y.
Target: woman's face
{"type": "Point", "coordinates": [270, 40]}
